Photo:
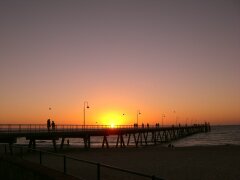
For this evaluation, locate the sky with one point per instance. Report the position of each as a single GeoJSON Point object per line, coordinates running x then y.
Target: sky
{"type": "Point", "coordinates": [177, 58]}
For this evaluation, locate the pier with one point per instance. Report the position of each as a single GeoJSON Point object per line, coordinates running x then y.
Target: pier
{"type": "Point", "coordinates": [140, 135]}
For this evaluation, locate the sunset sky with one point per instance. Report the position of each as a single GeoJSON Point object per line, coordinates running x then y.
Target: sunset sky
{"type": "Point", "coordinates": [178, 58]}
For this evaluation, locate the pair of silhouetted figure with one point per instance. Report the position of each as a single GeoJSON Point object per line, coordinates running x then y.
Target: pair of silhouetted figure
{"type": "Point", "coordinates": [49, 124]}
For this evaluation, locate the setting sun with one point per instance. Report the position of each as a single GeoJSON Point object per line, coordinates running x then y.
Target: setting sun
{"type": "Point", "coordinates": [112, 119]}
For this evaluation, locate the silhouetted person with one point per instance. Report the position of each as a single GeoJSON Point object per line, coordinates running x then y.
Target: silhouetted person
{"type": "Point", "coordinates": [68, 142]}
{"type": "Point", "coordinates": [48, 124]}
{"type": "Point", "coordinates": [147, 125]}
{"type": "Point", "coordinates": [53, 125]}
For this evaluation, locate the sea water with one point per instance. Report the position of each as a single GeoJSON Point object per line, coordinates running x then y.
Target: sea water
{"type": "Point", "coordinates": [219, 135]}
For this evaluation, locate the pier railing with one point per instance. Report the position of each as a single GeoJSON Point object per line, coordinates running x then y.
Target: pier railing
{"type": "Point", "coordinates": [18, 128]}
{"type": "Point", "coordinates": [74, 166]}
{"type": "Point", "coordinates": [21, 128]}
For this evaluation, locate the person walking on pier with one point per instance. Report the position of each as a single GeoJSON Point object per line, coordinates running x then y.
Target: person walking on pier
{"type": "Point", "coordinates": [48, 124]}
{"type": "Point", "coordinates": [53, 125]}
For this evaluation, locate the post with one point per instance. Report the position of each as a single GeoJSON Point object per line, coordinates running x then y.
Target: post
{"type": "Point", "coordinates": [98, 171]}
{"type": "Point", "coordinates": [5, 148]}
{"type": "Point", "coordinates": [11, 148]}
{"type": "Point", "coordinates": [40, 157]}
{"type": "Point", "coordinates": [84, 109]}
{"type": "Point", "coordinates": [21, 152]}
{"type": "Point", "coordinates": [138, 113]}
{"type": "Point", "coordinates": [64, 165]}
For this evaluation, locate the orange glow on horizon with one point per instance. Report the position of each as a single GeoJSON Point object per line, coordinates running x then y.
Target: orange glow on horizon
{"type": "Point", "coordinates": [121, 113]}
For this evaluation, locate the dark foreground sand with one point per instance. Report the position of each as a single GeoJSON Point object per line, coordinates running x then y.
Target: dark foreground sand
{"type": "Point", "coordinates": [212, 162]}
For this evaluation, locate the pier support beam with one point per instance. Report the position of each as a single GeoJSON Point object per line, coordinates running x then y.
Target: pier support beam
{"type": "Point", "coordinates": [105, 141]}
{"type": "Point", "coordinates": [145, 138]}
{"type": "Point", "coordinates": [54, 145]}
{"type": "Point", "coordinates": [135, 140]}
{"type": "Point", "coordinates": [62, 142]}
{"type": "Point", "coordinates": [87, 142]}
{"type": "Point", "coordinates": [154, 137]}
{"type": "Point", "coordinates": [10, 148]}
{"type": "Point", "coordinates": [120, 138]}
{"type": "Point", "coordinates": [129, 136]}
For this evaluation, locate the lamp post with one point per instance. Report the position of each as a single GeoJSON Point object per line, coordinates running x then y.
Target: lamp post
{"type": "Point", "coordinates": [138, 113]}
{"type": "Point", "coordinates": [124, 119]}
{"type": "Point", "coordinates": [85, 105]}
{"type": "Point", "coordinates": [124, 115]}
{"type": "Point", "coordinates": [50, 109]}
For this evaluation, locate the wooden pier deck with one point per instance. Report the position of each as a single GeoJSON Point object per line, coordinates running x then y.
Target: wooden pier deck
{"type": "Point", "coordinates": [144, 135]}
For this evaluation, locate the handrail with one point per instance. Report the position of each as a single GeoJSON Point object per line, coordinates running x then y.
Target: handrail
{"type": "Point", "coordinates": [127, 171]}
{"type": "Point", "coordinates": [43, 127]}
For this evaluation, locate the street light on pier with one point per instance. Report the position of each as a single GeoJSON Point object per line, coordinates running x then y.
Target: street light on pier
{"type": "Point", "coordinates": [125, 116]}
{"type": "Point", "coordinates": [138, 113]}
{"type": "Point", "coordinates": [50, 109]}
{"type": "Point", "coordinates": [85, 105]}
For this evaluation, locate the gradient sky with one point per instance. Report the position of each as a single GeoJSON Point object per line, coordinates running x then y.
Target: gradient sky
{"type": "Point", "coordinates": [120, 56]}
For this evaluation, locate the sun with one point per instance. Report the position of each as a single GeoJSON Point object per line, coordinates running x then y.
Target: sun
{"type": "Point", "coordinates": [112, 119]}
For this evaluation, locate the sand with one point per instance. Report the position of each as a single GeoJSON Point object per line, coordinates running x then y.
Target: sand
{"type": "Point", "coordinates": [211, 162]}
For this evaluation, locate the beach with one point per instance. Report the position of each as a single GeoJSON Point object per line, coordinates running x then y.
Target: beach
{"type": "Point", "coordinates": [210, 162]}
{"type": "Point", "coordinates": [196, 162]}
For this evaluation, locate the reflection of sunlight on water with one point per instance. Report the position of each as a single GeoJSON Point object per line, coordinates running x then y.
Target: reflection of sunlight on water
{"type": "Point", "coordinates": [220, 135]}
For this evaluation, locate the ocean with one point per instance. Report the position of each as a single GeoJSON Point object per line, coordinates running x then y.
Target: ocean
{"type": "Point", "coordinates": [219, 135]}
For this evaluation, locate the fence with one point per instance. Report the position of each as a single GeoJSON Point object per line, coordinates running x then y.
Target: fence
{"type": "Point", "coordinates": [74, 166]}
{"type": "Point", "coordinates": [22, 128]}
